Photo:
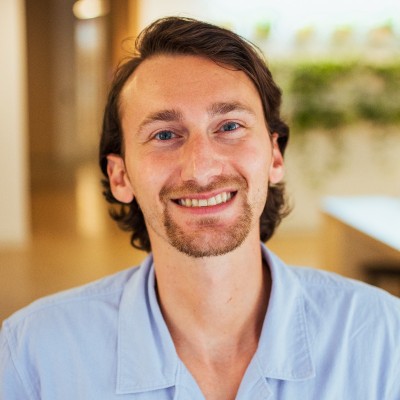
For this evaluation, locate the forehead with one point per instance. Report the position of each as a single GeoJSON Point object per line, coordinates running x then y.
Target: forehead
{"type": "Point", "coordinates": [185, 80]}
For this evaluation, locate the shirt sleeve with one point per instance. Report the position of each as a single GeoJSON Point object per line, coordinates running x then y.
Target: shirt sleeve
{"type": "Point", "coordinates": [11, 385]}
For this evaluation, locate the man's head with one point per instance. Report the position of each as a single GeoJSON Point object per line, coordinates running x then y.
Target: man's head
{"type": "Point", "coordinates": [169, 39]}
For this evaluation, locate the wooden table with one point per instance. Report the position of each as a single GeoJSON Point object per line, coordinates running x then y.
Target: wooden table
{"type": "Point", "coordinates": [360, 231]}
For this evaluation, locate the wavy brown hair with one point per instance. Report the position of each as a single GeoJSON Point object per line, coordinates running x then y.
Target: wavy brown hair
{"type": "Point", "coordinates": [185, 36]}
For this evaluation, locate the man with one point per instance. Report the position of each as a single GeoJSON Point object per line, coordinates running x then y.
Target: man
{"type": "Point", "coordinates": [192, 151]}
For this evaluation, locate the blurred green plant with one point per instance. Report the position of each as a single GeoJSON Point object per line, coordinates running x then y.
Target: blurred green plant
{"type": "Point", "coordinates": [330, 94]}
{"type": "Point", "coordinates": [262, 30]}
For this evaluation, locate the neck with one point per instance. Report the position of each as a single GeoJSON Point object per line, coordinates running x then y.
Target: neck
{"type": "Point", "coordinates": [215, 302]}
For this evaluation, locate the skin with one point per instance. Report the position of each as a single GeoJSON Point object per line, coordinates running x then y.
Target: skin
{"type": "Point", "coordinates": [192, 130]}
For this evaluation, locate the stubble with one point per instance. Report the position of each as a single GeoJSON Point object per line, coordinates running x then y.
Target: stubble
{"type": "Point", "coordinates": [207, 236]}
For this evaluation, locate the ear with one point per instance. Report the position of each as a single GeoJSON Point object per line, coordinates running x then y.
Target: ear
{"type": "Point", "coordinates": [277, 169]}
{"type": "Point", "coordinates": [119, 181]}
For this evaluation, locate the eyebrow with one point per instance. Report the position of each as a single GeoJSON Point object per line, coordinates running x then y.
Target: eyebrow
{"type": "Point", "coordinates": [227, 107]}
{"type": "Point", "coordinates": [162, 115]}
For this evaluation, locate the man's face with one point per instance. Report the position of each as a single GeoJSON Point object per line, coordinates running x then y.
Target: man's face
{"type": "Point", "coordinates": [198, 156]}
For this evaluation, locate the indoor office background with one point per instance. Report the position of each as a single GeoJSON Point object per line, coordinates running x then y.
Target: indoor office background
{"type": "Point", "coordinates": [337, 63]}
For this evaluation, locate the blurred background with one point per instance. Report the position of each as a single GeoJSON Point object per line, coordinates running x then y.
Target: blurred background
{"type": "Point", "coordinates": [337, 63]}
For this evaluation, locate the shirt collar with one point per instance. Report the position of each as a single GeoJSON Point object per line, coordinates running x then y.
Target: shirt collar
{"type": "Point", "coordinates": [147, 359]}
{"type": "Point", "coordinates": [284, 350]}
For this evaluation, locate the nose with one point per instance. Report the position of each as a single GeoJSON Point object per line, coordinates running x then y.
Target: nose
{"type": "Point", "coordinates": [200, 161]}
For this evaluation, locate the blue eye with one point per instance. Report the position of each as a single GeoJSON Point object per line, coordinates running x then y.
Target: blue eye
{"type": "Point", "coordinates": [164, 135]}
{"type": "Point", "coordinates": [230, 126]}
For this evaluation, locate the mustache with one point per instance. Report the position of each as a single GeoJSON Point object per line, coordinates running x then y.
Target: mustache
{"type": "Point", "coordinates": [191, 187]}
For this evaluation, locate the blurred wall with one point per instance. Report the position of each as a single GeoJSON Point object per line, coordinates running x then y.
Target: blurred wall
{"type": "Point", "coordinates": [51, 78]}
{"type": "Point", "coordinates": [123, 26]}
{"type": "Point", "coordinates": [38, 17]}
{"type": "Point", "coordinates": [70, 64]}
{"type": "Point", "coordinates": [13, 160]}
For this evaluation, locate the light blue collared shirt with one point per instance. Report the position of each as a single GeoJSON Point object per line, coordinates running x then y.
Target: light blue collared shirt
{"type": "Point", "coordinates": [324, 338]}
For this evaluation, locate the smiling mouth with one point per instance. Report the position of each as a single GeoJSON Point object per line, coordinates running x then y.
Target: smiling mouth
{"type": "Point", "coordinates": [211, 201]}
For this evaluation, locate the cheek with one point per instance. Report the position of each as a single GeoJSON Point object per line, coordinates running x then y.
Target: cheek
{"type": "Point", "coordinates": [256, 166]}
{"type": "Point", "coordinates": [148, 175]}
{"type": "Point", "coordinates": [257, 161]}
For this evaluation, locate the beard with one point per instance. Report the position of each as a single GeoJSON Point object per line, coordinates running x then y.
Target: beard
{"type": "Point", "coordinates": [208, 238]}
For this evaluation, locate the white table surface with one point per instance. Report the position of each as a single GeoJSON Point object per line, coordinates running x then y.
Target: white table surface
{"type": "Point", "coordinates": [375, 216]}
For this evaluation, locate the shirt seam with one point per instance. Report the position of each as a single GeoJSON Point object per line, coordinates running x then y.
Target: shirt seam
{"type": "Point", "coordinates": [39, 308]}
{"type": "Point", "coordinates": [366, 289]}
{"type": "Point", "coordinates": [343, 282]}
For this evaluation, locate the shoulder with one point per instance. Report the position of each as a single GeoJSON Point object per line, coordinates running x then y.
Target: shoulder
{"type": "Point", "coordinates": [90, 305]}
{"type": "Point", "coordinates": [351, 320]}
{"type": "Point", "coordinates": [77, 329]}
{"type": "Point", "coordinates": [343, 309]}
{"type": "Point", "coordinates": [320, 284]}
{"type": "Point", "coordinates": [346, 325]}
{"type": "Point", "coordinates": [328, 288]}
{"type": "Point", "coordinates": [333, 303]}
{"type": "Point", "coordinates": [59, 329]}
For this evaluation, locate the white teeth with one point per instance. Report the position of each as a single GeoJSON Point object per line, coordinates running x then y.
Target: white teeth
{"type": "Point", "coordinates": [212, 201]}
{"type": "Point", "coordinates": [202, 203]}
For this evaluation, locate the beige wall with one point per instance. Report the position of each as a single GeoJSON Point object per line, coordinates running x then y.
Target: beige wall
{"type": "Point", "coordinates": [13, 165]}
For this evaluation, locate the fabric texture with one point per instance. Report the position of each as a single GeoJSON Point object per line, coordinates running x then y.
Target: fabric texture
{"type": "Point", "coordinates": [324, 337]}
